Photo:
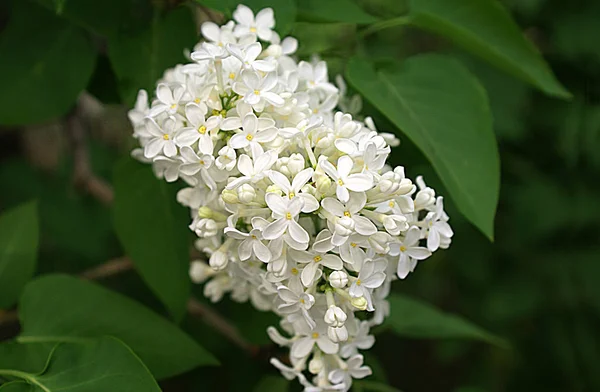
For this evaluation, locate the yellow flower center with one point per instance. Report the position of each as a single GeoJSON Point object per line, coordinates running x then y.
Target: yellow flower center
{"type": "Point", "coordinates": [231, 75]}
{"type": "Point", "coordinates": [253, 29]}
{"type": "Point", "coordinates": [315, 335]}
{"type": "Point", "coordinates": [294, 271]}
{"type": "Point", "coordinates": [315, 111]}
{"type": "Point", "coordinates": [249, 137]}
{"type": "Point", "coordinates": [197, 100]}
{"type": "Point", "coordinates": [256, 92]}
{"type": "Point", "coordinates": [202, 130]}
{"type": "Point", "coordinates": [347, 213]}
{"type": "Point", "coordinates": [391, 204]}
{"type": "Point", "coordinates": [173, 106]}
{"type": "Point", "coordinates": [288, 216]}
{"type": "Point", "coordinates": [253, 236]}
{"type": "Point", "coordinates": [358, 282]}
{"type": "Point", "coordinates": [201, 162]}
{"type": "Point", "coordinates": [403, 248]}
{"type": "Point", "coordinates": [353, 244]}
{"type": "Point", "coordinates": [166, 137]}
{"type": "Point", "coordinates": [292, 195]}
{"type": "Point", "coordinates": [317, 259]}
{"type": "Point", "coordinates": [340, 182]}
{"type": "Point", "coordinates": [302, 301]}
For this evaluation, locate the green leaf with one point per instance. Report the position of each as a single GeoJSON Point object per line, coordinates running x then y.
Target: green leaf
{"type": "Point", "coordinates": [29, 358]}
{"type": "Point", "coordinates": [284, 10]}
{"type": "Point", "coordinates": [416, 319]}
{"type": "Point", "coordinates": [346, 11]}
{"type": "Point", "coordinates": [43, 69]}
{"type": "Point", "coordinates": [103, 365]}
{"type": "Point", "coordinates": [140, 59]}
{"type": "Point", "coordinates": [444, 110]}
{"type": "Point", "coordinates": [107, 17]}
{"type": "Point", "coordinates": [272, 384]}
{"type": "Point", "coordinates": [19, 236]}
{"type": "Point", "coordinates": [58, 308]}
{"type": "Point", "coordinates": [485, 28]}
{"type": "Point", "coordinates": [152, 227]}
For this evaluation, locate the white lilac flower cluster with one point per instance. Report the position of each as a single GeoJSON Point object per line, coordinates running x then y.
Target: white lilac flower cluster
{"type": "Point", "coordinates": [291, 199]}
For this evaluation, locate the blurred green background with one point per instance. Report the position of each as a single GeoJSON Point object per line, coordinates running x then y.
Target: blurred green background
{"type": "Point", "coordinates": [537, 285]}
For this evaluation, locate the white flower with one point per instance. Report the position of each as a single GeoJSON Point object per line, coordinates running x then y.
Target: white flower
{"type": "Point", "coordinates": [291, 199]}
{"type": "Point", "coordinates": [220, 36]}
{"type": "Point", "coordinates": [294, 189]}
{"type": "Point", "coordinates": [161, 138]}
{"type": "Point", "coordinates": [308, 338]}
{"type": "Point", "coordinates": [253, 171]}
{"type": "Point", "coordinates": [248, 57]}
{"type": "Point", "coordinates": [251, 134]}
{"type": "Point", "coordinates": [345, 181]}
{"type": "Point", "coordinates": [285, 212]}
{"type": "Point", "coordinates": [198, 129]}
{"type": "Point", "coordinates": [314, 261]}
{"type": "Point", "coordinates": [437, 227]}
{"type": "Point", "coordinates": [370, 277]}
{"type": "Point", "coordinates": [251, 242]}
{"type": "Point", "coordinates": [349, 219]}
{"type": "Point", "coordinates": [262, 25]}
{"type": "Point", "coordinates": [296, 303]}
{"type": "Point", "coordinates": [409, 252]}
{"type": "Point", "coordinates": [354, 369]}
{"type": "Point", "coordinates": [257, 91]}
{"type": "Point", "coordinates": [169, 99]}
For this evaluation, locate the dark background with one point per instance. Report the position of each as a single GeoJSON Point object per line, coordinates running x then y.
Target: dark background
{"type": "Point", "coordinates": [537, 285]}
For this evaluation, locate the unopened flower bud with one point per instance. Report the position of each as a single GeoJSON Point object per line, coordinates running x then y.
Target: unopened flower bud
{"type": "Point", "coordinates": [246, 193]}
{"type": "Point", "coordinates": [296, 164]}
{"type": "Point", "coordinates": [337, 335]}
{"type": "Point", "coordinates": [218, 260]}
{"type": "Point", "coordinates": [335, 316]}
{"type": "Point", "coordinates": [200, 271]}
{"type": "Point", "coordinates": [274, 189]}
{"type": "Point", "coordinates": [323, 184]}
{"type": "Point", "coordinates": [229, 196]}
{"type": "Point", "coordinates": [338, 279]}
{"type": "Point", "coordinates": [406, 186]}
{"type": "Point", "coordinates": [359, 303]}
{"type": "Point", "coordinates": [205, 212]}
{"type": "Point", "coordinates": [424, 198]}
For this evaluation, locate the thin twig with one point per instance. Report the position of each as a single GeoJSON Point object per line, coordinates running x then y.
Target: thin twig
{"type": "Point", "coordinates": [110, 268]}
{"type": "Point", "coordinates": [83, 176]}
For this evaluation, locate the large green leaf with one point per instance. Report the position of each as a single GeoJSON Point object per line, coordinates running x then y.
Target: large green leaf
{"type": "Point", "coordinates": [140, 59]}
{"type": "Point", "coordinates": [107, 17]}
{"type": "Point", "coordinates": [102, 365]}
{"type": "Point", "coordinates": [416, 319]}
{"type": "Point", "coordinates": [485, 28]}
{"type": "Point", "coordinates": [152, 227]}
{"type": "Point", "coordinates": [58, 308]}
{"type": "Point", "coordinates": [444, 110]}
{"type": "Point", "coordinates": [346, 11]}
{"type": "Point", "coordinates": [43, 69]}
{"type": "Point", "coordinates": [19, 236]}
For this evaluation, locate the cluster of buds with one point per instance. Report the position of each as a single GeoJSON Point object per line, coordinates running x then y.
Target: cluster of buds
{"type": "Point", "coordinates": [291, 199]}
